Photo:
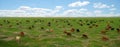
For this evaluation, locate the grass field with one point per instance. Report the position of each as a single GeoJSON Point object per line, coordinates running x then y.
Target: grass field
{"type": "Point", "coordinates": [49, 32]}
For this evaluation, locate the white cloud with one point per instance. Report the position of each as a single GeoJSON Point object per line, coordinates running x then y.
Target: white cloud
{"type": "Point", "coordinates": [55, 11]}
{"type": "Point", "coordinates": [112, 5]}
{"type": "Point", "coordinates": [97, 11]}
{"type": "Point", "coordinates": [25, 11]}
{"type": "Point", "coordinates": [100, 13]}
{"type": "Point", "coordinates": [59, 7]}
{"type": "Point", "coordinates": [112, 9]}
{"type": "Point", "coordinates": [70, 12]}
{"type": "Point", "coordinates": [83, 9]}
{"type": "Point", "coordinates": [79, 4]}
{"type": "Point", "coordinates": [12, 13]}
{"type": "Point", "coordinates": [80, 13]}
{"type": "Point", "coordinates": [75, 11]}
{"type": "Point", "coordinates": [101, 5]}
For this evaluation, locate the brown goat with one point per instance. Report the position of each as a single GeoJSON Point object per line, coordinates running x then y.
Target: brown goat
{"type": "Point", "coordinates": [118, 30]}
{"type": "Point", "coordinates": [67, 33]}
{"type": "Point", "coordinates": [51, 30]}
{"type": "Point", "coordinates": [103, 32]}
{"type": "Point", "coordinates": [90, 26]}
{"type": "Point", "coordinates": [72, 30]}
{"type": "Point", "coordinates": [108, 27]}
{"type": "Point", "coordinates": [84, 36]}
{"type": "Point", "coordinates": [104, 38]}
{"type": "Point", "coordinates": [22, 34]}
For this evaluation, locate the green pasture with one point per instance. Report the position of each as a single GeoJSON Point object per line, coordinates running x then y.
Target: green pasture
{"type": "Point", "coordinates": [37, 37]}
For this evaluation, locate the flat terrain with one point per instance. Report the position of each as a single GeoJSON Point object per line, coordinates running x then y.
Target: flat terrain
{"type": "Point", "coordinates": [60, 32]}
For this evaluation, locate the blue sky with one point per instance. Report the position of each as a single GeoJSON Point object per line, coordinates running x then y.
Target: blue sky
{"type": "Point", "coordinates": [59, 8]}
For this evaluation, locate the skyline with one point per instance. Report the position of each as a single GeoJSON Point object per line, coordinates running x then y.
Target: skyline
{"type": "Point", "coordinates": [59, 8]}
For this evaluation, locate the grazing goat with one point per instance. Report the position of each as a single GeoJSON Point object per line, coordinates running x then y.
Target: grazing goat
{"type": "Point", "coordinates": [118, 30]}
{"type": "Point", "coordinates": [1, 25]}
{"type": "Point", "coordinates": [72, 30]}
{"type": "Point", "coordinates": [84, 36]}
{"type": "Point", "coordinates": [10, 26]}
{"type": "Point", "coordinates": [77, 30]}
{"type": "Point", "coordinates": [90, 26]}
{"type": "Point", "coordinates": [49, 24]}
{"type": "Point", "coordinates": [17, 23]}
{"type": "Point", "coordinates": [17, 39]}
{"type": "Point", "coordinates": [27, 21]}
{"type": "Point", "coordinates": [108, 27]}
{"type": "Point", "coordinates": [22, 34]}
{"type": "Point", "coordinates": [103, 32]}
{"type": "Point", "coordinates": [112, 28]}
{"type": "Point", "coordinates": [67, 33]}
{"type": "Point", "coordinates": [96, 25]}
{"type": "Point", "coordinates": [104, 38]}
{"type": "Point", "coordinates": [51, 30]}
{"type": "Point", "coordinates": [42, 27]}
{"type": "Point", "coordinates": [29, 27]}
{"type": "Point", "coordinates": [47, 30]}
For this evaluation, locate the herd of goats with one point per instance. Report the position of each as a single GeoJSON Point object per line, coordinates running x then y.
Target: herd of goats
{"type": "Point", "coordinates": [89, 23]}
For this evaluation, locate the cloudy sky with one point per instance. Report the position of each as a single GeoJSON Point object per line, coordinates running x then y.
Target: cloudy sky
{"type": "Point", "coordinates": [59, 8]}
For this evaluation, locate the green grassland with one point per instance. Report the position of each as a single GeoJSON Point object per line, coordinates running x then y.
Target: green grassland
{"type": "Point", "coordinates": [37, 37]}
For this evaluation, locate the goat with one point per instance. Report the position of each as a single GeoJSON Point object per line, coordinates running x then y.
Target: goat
{"type": "Point", "coordinates": [77, 30]}
{"type": "Point", "coordinates": [103, 32]}
{"type": "Point", "coordinates": [67, 33]}
{"type": "Point", "coordinates": [104, 38]}
{"type": "Point", "coordinates": [18, 39]}
{"type": "Point", "coordinates": [72, 30]}
{"type": "Point", "coordinates": [84, 36]}
{"type": "Point", "coordinates": [22, 34]}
